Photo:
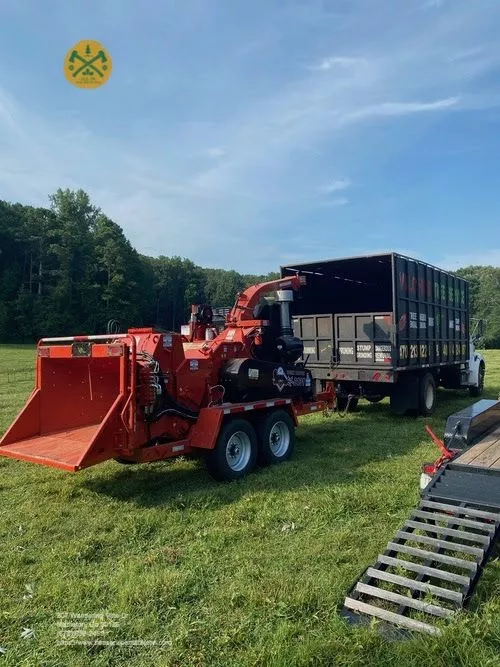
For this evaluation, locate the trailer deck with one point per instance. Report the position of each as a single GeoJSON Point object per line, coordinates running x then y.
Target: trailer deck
{"type": "Point", "coordinates": [429, 570]}
{"type": "Point", "coordinates": [485, 454]}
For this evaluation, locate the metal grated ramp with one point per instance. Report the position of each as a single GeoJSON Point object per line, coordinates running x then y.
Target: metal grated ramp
{"type": "Point", "coordinates": [429, 570]}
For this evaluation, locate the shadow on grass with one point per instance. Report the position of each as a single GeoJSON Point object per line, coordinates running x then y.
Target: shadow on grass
{"type": "Point", "coordinates": [329, 451]}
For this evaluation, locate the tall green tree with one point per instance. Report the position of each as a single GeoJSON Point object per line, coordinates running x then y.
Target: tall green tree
{"type": "Point", "coordinates": [221, 286]}
{"type": "Point", "coordinates": [484, 292]}
{"type": "Point", "coordinates": [70, 249]}
{"type": "Point", "coordinates": [178, 283]}
{"type": "Point", "coordinates": [117, 275]}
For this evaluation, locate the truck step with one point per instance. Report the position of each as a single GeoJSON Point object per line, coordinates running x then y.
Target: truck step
{"type": "Point", "coordinates": [429, 569]}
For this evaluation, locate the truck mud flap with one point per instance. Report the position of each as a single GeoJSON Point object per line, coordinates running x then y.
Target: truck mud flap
{"type": "Point", "coordinates": [405, 392]}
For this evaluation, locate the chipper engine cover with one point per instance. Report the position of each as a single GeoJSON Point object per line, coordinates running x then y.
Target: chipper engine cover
{"type": "Point", "coordinates": [251, 379]}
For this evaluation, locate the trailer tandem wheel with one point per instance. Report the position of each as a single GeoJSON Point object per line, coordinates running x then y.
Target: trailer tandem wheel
{"type": "Point", "coordinates": [276, 437]}
{"type": "Point", "coordinates": [235, 453]}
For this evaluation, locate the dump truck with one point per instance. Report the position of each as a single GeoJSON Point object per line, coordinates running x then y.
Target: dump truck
{"type": "Point", "coordinates": [386, 325]}
{"type": "Point", "coordinates": [231, 396]}
{"type": "Point", "coordinates": [430, 568]}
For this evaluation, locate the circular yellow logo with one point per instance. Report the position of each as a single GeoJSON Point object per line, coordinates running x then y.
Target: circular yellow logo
{"type": "Point", "coordinates": [87, 64]}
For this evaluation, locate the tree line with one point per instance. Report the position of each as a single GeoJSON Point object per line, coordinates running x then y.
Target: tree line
{"type": "Point", "coordinates": [69, 269]}
{"type": "Point", "coordinates": [484, 295]}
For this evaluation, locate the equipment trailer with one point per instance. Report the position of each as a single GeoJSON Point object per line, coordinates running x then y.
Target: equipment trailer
{"type": "Point", "coordinates": [430, 568]}
{"type": "Point", "coordinates": [231, 396]}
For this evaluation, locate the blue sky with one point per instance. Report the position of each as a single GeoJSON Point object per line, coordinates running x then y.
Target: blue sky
{"type": "Point", "coordinates": [252, 134]}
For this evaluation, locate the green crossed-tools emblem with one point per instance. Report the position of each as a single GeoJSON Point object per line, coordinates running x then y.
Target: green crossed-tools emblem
{"type": "Point", "coordinates": [87, 64]}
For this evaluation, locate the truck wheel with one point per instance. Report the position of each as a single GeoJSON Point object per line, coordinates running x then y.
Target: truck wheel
{"type": "Point", "coordinates": [477, 391]}
{"type": "Point", "coordinates": [427, 394]}
{"type": "Point", "coordinates": [276, 437]}
{"type": "Point", "coordinates": [374, 399]}
{"type": "Point", "coordinates": [343, 402]}
{"type": "Point", "coordinates": [235, 453]}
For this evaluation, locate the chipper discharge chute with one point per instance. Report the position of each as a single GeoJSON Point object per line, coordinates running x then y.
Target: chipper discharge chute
{"type": "Point", "coordinates": [80, 407]}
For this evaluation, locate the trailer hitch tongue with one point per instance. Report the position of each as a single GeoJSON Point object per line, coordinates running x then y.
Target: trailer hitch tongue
{"type": "Point", "coordinates": [84, 397]}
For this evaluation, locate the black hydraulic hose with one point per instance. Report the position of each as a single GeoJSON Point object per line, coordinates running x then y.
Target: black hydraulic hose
{"type": "Point", "coordinates": [170, 406]}
{"type": "Point", "coordinates": [173, 408]}
{"type": "Point", "coordinates": [171, 411]}
{"type": "Point", "coordinates": [171, 403]}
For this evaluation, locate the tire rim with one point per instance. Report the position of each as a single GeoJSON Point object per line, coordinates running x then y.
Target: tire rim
{"type": "Point", "coordinates": [238, 451]}
{"type": "Point", "coordinates": [429, 396]}
{"type": "Point", "coordinates": [279, 439]}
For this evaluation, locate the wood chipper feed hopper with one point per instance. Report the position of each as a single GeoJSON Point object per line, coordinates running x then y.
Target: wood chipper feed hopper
{"type": "Point", "coordinates": [81, 404]}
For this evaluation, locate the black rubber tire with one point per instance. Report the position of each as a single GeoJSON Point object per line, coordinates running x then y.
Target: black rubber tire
{"type": "Point", "coordinates": [374, 399]}
{"type": "Point", "coordinates": [427, 395]}
{"type": "Point", "coordinates": [342, 403]}
{"type": "Point", "coordinates": [125, 462]}
{"type": "Point", "coordinates": [266, 455]}
{"type": "Point", "coordinates": [477, 391]}
{"type": "Point", "coordinates": [217, 461]}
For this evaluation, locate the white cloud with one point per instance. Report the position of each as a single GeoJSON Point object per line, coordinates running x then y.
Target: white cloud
{"type": "Point", "coordinates": [400, 108]}
{"type": "Point", "coordinates": [334, 186]}
{"type": "Point", "coordinates": [465, 54]}
{"type": "Point", "coordinates": [216, 151]}
{"type": "Point", "coordinates": [327, 64]}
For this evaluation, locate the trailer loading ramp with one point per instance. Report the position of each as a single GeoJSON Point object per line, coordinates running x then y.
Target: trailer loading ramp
{"type": "Point", "coordinates": [429, 570]}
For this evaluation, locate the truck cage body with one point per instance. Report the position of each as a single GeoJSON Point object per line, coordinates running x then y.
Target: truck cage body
{"type": "Point", "coordinates": [367, 318]}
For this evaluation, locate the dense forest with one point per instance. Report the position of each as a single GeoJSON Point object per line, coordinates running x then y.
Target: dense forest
{"type": "Point", "coordinates": [69, 269]}
{"type": "Point", "coordinates": [484, 293]}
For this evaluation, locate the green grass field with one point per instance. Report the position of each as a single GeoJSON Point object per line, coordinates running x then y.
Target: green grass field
{"type": "Point", "coordinates": [249, 573]}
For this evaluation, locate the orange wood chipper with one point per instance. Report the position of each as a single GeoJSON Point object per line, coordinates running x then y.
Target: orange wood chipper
{"type": "Point", "coordinates": [232, 395]}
